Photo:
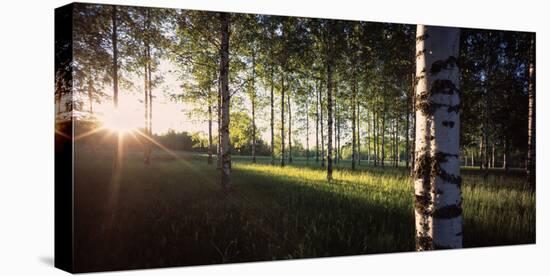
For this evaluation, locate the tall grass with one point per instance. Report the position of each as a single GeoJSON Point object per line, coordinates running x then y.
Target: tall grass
{"type": "Point", "coordinates": [174, 213]}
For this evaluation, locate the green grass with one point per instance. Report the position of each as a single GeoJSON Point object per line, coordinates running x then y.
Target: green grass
{"type": "Point", "coordinates": [174, 213]}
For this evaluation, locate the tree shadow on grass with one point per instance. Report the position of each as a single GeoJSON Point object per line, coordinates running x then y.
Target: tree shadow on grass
{"type": "Point", "coordinates": [175, 214]}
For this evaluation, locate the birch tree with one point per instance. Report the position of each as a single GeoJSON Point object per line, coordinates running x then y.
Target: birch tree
{"type": "Point", "coordinates": [224, 19]}
{"type": "Point", "coordinates": [438, 201]}
{"type": "Point", "coordinates": [531, 120]}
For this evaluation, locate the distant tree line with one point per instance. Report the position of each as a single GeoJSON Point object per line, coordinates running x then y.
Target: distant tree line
{"type": "Point", "coordinates": [349, 83]}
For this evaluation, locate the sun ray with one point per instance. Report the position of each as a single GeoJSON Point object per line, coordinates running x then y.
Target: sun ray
{"type": "Point", "coordinates": [88, 133]}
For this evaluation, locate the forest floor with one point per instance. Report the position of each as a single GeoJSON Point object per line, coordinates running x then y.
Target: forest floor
{"type": "Point", "coordinates": [174, 213]}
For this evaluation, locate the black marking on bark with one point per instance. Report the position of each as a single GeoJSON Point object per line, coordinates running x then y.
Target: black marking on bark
{"type": "Point", "coordinates": [422, 203]}
{"type": "Point", "coordinates": [423, 242]}
{"type": "Point", "coordinates": [443, 86]}
{"type": "Point", "coordinates": [453, 108]}
{"type": "Point", "coordinates": [428, 107]}
{"type": "Point", "coordinates": [423, 167]}
{"type": "Point", "coordinates": [449, 124]}
{"type": "Point", "coordinates": [421, 52]}
{"type": "Point", "coordinates": [448, 64]}
{"type": "Point", "coordinates": [418, 78]}
{"type": "Point", "coordinates": [422, 37]}
{"type": "Point", "coordinates": [448, 212]}
{"type": "Point", "coordinates": [442, 157]}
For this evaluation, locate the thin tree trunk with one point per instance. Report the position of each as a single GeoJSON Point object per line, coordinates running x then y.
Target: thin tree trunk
{"type": "Point", "coordinates": [337, 134]}
{"type": "Point", "coordinates": [413, 103]}
{"type": "Point", "coordinates": [438, 203]}
{"type": "Point", "coordinates": [272, 118]}
{"type": "Point", "coordinates": [358, 135]}
{"type": "Point", "coordinates": [473, 164]}
{"type": "Point", "coordinates": [317, 125]}
{"type": "Point", "coordinates": [505, 155]}
{"type": "Point", "coordinates": [368, 136]}
{"type": "Point", "coordinates": [383, 149]}
{"type": "Point", "coordinates": [210, 132]}
{"type": "Point", "coordinates": [407, 128]}
{"type": "Point", "coordinates": [307, 128]}
{"type": "Point", "coordinates": [481, 156]}
{"type": "Point", "coordinates": [531, 122]}
{"type": "Point", "coordinates": [329, 113]}
{"type": "Point", "coordinates": [253, 102]}
{"type": "Point", "coordinates": [150, 87]}
{"type": "Point", "coordinates": [224, 75]}
{"type": "Point", "coordinates": [114, 42]}
{"type": "Point", "coordinates": [485, 149]}
{"type": "Point", "coordinates": [493, 155]}
{"type": "Point", "coordinates": [289, 130]}
{"type": "Point", "coordinates": [322, 132]}
{"type": "Point", "coordinates": [219, 148]}
{"type": "Point", "coordinates": [375, 134]}
{"type": "Point", "coordinates": [146, 157]}
{"type": "Point", "coordinates": [91, 94]}
{"type": "Point", "coordinates": [353, 121]}
{"type": "Point", "coordinates": [397, 157]}
{"type": "Point", "coordinates": [146, 84]}
{"type": "Point", "coordinates": [282, 119]}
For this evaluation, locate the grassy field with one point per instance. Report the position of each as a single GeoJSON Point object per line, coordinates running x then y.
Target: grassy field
{"type": "Point", "coordinates": [174, 213]}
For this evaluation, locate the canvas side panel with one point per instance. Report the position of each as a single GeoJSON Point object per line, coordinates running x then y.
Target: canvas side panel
{"type": "Point", "coordinates": [64, 236]}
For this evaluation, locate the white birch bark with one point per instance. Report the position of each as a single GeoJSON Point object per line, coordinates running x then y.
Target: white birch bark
{"type": "Point", "coordinates": [225, 98]}
{"type": "Point", "coordinates": [531, 127]}
{"type": "Point", "coordinates": [438, 201]}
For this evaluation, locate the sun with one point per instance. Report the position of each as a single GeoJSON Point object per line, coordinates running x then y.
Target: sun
{"type": "Point", "coordinates": [119, 121]}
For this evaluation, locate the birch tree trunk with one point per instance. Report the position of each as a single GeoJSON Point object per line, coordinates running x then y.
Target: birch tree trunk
{"type": "Point", "coordinates": [91, 94]}
{"type": "Point", "coordinates": [146, 157]}
{"type": "Point", "coordinates": [397, 157]}
{"type": "Point", "coordinates": [146, 84]}
{"type": "Point", "coordinates": [493, 155]}
{"type": "Point", "coordinates": [307, 128]}
{"type": "Point", "coordinates": [329, 116]}
{"type": "Point", "coordinates": [317, 126]}
{"type": "Point", "coordinates": [282, 119]}
{"type": "Point", "coordinates": [413, 102]}
{"type": "Point", "coordinates": [150, 87]}
{"type": "Point", "coordinates": [407, 128]}
{"type": "Point", "coordinates": [289, 130]}
{"type": "Point", "coordinates": [219, 150]}
{"type": "Point", "coordinates": [353, 121]}
{"type": "Point", "coordinates": [375, 134]}
{"type": "Point", "coordinates": [485, 143]}
{"type": "Point", "coordinates": [253, 103]}
{"type": "Point", "coordinates": [114, 42]}
{"type": "Point", "coordinates": [209, 132]}
{"type": "Point", "coordinates": [505, 155]}
{"type": "Point", "coordinates": [322, 132]}
{"type": "Point", "coordinates": [224, 79]}
{"type": "Point", "coordinates": [531, 127]}
{"type": "Point", "coordinates": [272, 122]}
{"type": "Point", "coordinates": [337, 133]}
{"type": "Point", "coordinates": [438, 203]}
{"type": "Point", "coordinates": [368, 136]}
{"type": "Point", "coordinates": [383, 147]}
{"type": "Point", "coordinates": [358, 135]}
